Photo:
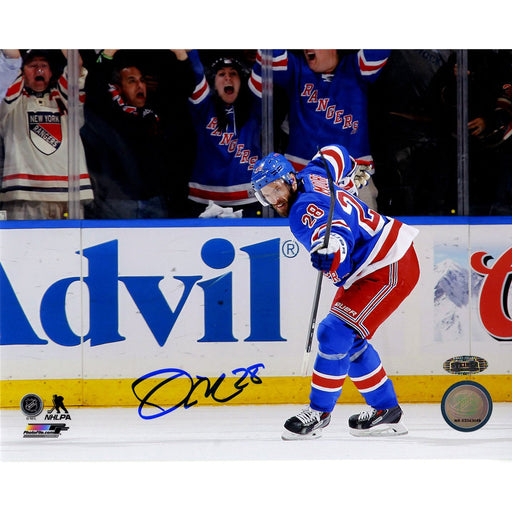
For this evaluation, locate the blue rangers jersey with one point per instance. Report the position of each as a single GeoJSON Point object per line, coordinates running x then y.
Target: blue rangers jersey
{"type": "Point", "coordinates": [373, 241]}
{"type": "Point", "coordinates": [325, 108]}
{"type": "Point", "coordinates": [225, 157]}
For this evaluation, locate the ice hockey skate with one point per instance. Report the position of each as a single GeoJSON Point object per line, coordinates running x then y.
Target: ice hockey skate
{"type": "Point", "coordinates": [307, 424]}
{"type": "Point", "coordinates": [383, 422]}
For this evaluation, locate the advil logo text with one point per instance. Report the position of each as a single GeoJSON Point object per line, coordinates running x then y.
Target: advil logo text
{"type": "Point", "coordinates": [103, 281]}
{"type": "Point", "coordinates": [494, 295]}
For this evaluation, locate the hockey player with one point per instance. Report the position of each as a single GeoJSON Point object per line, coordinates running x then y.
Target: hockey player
{"type": "Point", "coordinates": [327, 92]}
{"type": "Point", "coordinates": [372, 261]}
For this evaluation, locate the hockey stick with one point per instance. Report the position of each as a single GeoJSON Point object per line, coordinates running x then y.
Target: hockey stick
{"type": "Point", "coordinates": [318, 289]}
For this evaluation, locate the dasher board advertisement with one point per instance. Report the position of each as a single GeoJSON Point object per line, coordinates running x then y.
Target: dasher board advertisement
{"type": "Point", "coordinates": [97, 306]}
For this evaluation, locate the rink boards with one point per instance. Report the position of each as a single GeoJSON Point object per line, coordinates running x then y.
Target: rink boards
{"type": "Point", "coordinates": [217, 311]}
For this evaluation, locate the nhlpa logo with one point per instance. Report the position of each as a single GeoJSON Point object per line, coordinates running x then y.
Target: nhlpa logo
{"type": "Point", "coordinates": [58, 404]}
{"type": "Point", "coordinates": [45, 131]}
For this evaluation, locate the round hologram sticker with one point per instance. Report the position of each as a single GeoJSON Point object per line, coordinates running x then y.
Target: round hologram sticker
{"type": "Point", "coordinates": [466, 406]}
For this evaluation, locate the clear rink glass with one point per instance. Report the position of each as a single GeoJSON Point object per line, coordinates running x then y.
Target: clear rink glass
{"type": "Point", "coordinates": [428, 158]}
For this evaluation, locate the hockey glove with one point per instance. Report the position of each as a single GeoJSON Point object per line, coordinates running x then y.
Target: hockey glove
{"type": "Point", "coordinates": [328, 259]}
{"type": "Point", "coordinates": [213, 210]}
{"type": "Point", "coordinates": [361, 172]}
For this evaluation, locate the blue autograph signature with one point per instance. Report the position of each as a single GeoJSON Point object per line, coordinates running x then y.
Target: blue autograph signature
{"type": "Point", "coordinates": [212, 389]}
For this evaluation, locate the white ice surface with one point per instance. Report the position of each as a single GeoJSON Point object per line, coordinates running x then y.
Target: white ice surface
{"type": "Point", "coordinates": [207, 455]}
{"type": "Point", "coordinates": [249, 433]}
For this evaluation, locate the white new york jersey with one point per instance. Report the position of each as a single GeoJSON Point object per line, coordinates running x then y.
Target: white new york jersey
{"type": "Point", "coordinates": [34, 131]}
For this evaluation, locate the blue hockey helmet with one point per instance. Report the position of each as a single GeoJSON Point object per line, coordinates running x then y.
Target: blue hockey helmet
{"type": "Point", "coordinates": [270, 168]}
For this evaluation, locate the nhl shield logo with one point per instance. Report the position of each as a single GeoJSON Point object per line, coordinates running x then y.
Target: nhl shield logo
{"type": "Point", "coordinates": [45, 131]}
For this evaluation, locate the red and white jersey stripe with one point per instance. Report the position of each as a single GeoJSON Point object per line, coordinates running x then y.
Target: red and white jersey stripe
{"type": "Point", "coordinates": [201, 92]}
{"type": "Point", "coordinates": [223, 196]}
{"type": "Point", "coordinates": [392, 244]}
{"type": "Point", "coordinates": [369, 67]}
{"type": "Point", "coordinates": [325, 382]}
{"type": "Point", "coordinates": [370, 381]}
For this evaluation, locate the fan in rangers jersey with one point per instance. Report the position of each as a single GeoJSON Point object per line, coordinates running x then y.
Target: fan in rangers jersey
{"type": "Point", "coordinates": [227, 120]}
{"type": "Point", "coordinates": [372, 261]}
{"type": "Point", "coordinates": [327, 92]}
{"type": "Point", "coordinates": [33, 126]}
